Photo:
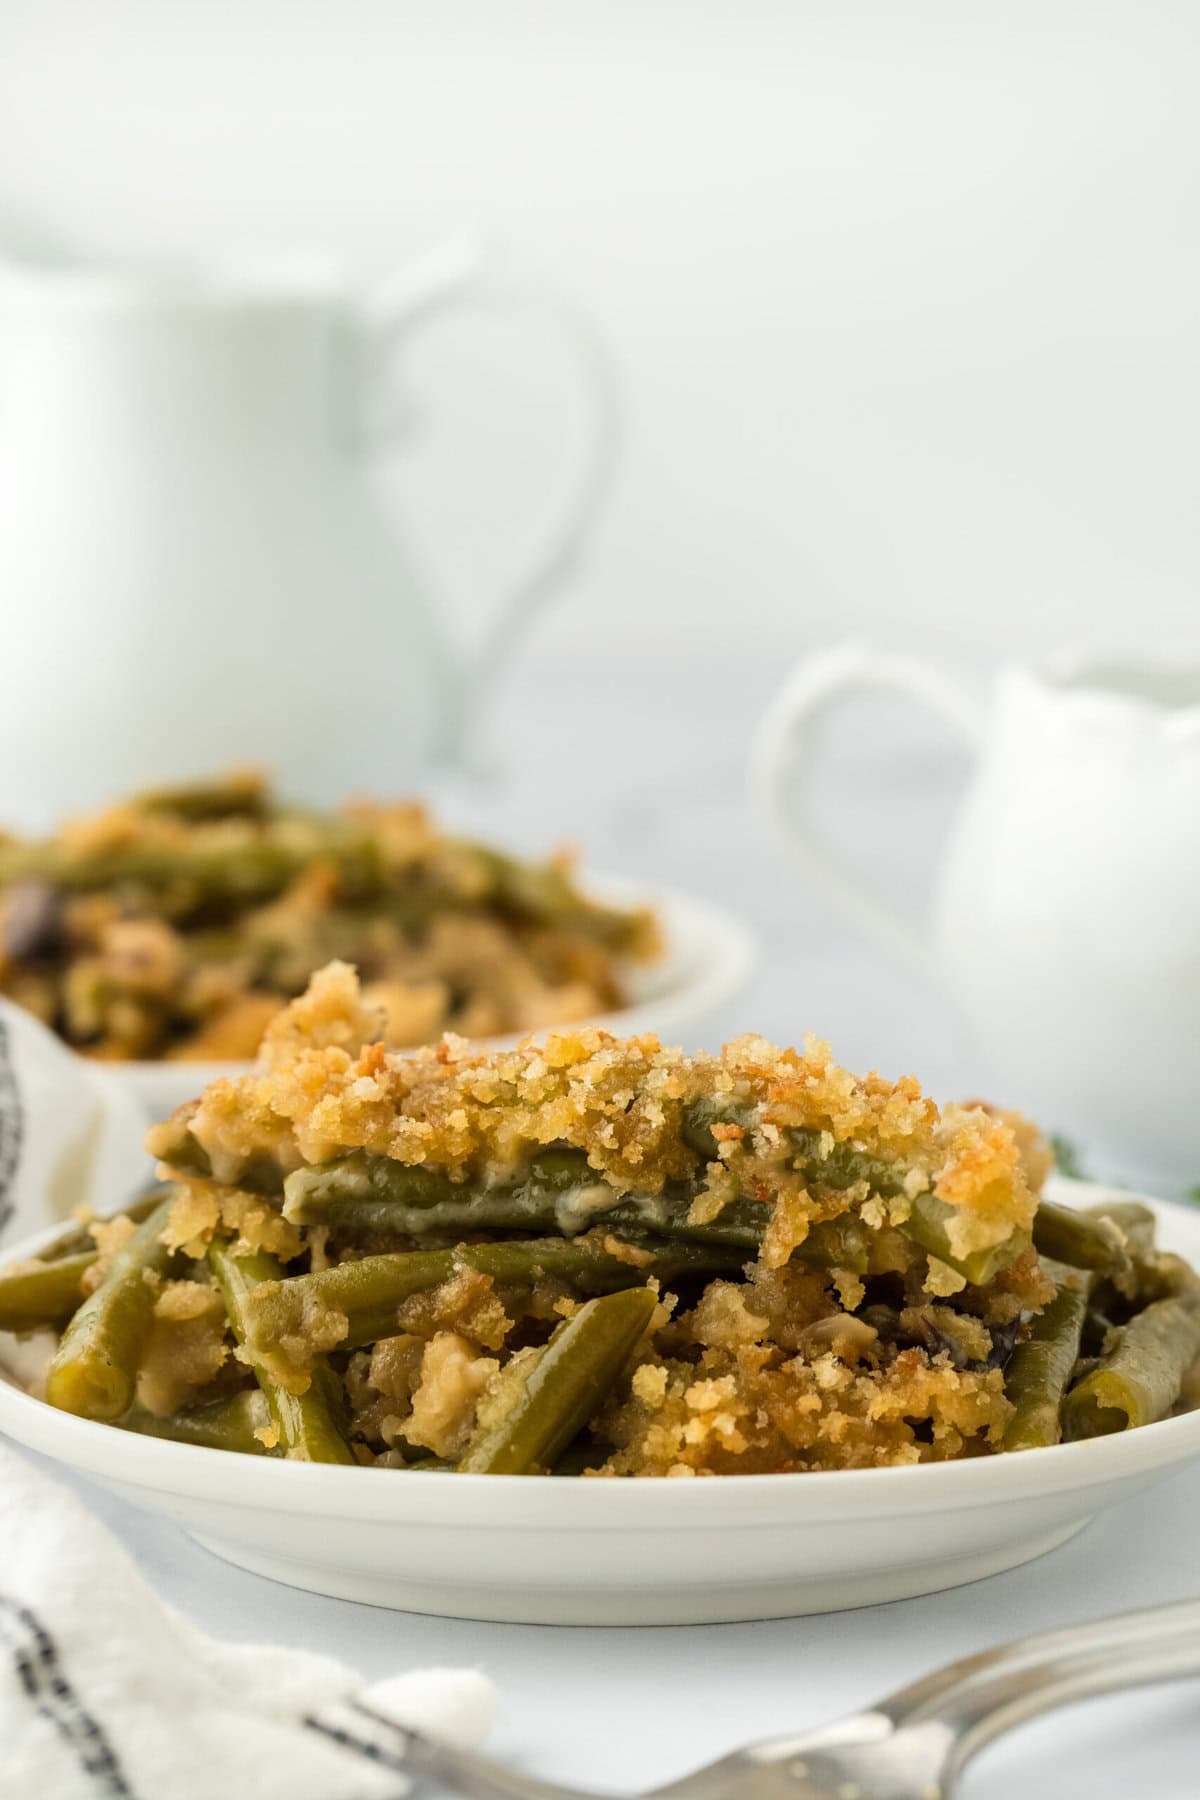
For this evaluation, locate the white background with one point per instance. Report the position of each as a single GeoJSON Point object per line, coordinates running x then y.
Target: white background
{"type": "Point", "coordinates": [904, 301]}
{"type": "Point", "coordinates": [904, 296]}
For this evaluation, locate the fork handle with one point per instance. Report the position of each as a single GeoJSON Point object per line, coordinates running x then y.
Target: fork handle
{"type": "Point", "coordinates": [980, 1697]}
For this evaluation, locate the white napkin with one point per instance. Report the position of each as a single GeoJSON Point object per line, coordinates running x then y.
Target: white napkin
{"type": "Point", "coordinates": [70, 1134]}
{"type": "Point", "coordinates": [106, 1694]}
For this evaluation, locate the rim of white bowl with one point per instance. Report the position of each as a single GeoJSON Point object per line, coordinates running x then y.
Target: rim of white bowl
{"type": "Point", "coordinates": [447, 1498]}
{"type": "Point", "coordinates": [453, 1499]}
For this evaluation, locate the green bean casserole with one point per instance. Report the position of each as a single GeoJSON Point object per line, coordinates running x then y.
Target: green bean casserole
{"type": "Point", "coordinates": [597, 1256]}
{"type": "Point", "coordinates": [175, 925]}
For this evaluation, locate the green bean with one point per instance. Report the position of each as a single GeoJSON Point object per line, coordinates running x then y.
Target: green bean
{"type": "Point", "coordinates": [307, 1429]}
{"type": "Point", "coordinates": [565, 1385]}
{"type": "Point", "coordinates": [361, 1194]}
{"type": "Point", "coordinates": [370, 1292]}
{"type": "Point", "coordinates": [94, 1370]}
{"type": "Point", "coordinates": [213, 871]}
{"type": "Point", "coordinates": [928, 1226]}
{"type": "Point", "coordinates": [222, 1425]}
{"type": "Point", "coordinates": [1140, 1379]}
{"type": "Point", "coordinates": [1135, 1222]}
{"type": "Point", "coordinates": [1147, 1273]}
{"type": "Point", "coordinates": [1160, 1277]}
{"type": "Point", "coordinates": [242, 793]}
{"type": "Point", "coordinates": [1082, 1240]}
{"type": "Point", "coordinates": [843, 1166]}
{"type": "Point", "coordinates": [1039, 1371]}
{"type": "Point", "coordinates": [43, 1294]}
{"type": "Point", "coordinates": [365, 1193]}
{"type": "Point", "coordinates": [546, 895]}
{"type": "Point", "coordinates": [47, 1292]}
{"type": "Point", "coordinates": [172, 1143]}
{"type": "Point", "coordinates": [78, 1238]}
{"type": "Point", "coordinates": [288, 844]}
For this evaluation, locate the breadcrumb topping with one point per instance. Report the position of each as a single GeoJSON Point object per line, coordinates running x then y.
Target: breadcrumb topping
{"type": "Point", "coordinates": [326, 1085]}
{"type": "Point", "coordinates": [839, 1269]}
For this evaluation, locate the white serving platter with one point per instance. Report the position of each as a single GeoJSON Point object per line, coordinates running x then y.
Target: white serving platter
{"type": "Point", "coordinates": [654, 1552]}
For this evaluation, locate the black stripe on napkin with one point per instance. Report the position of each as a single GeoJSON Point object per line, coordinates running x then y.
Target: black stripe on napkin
{"type": "Point", "coordinates": [12, 1126]}
{"type": "Point", "coordinates": [37, 1665]}
{"type": "Point", "coordinates": [347, 1740]}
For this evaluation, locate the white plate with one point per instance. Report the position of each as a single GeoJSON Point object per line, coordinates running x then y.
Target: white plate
{"type": "Point", "coordinates": [708, 959]}
{"type": "Point", "coordinates": [649, 1552]}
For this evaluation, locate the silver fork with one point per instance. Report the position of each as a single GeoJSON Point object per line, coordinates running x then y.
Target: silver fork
{"type": "Point", "coordinates": [911, 1746]}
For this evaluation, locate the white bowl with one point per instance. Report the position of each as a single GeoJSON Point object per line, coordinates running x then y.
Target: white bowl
{"type": "Point", "coordinates": [707, 961]}
{"type": "Point", "coordinates": [649, 1552]}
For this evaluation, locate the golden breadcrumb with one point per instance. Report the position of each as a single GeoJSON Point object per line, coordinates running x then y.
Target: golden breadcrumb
{"type": "Point", "coordinates": [326, 1085]}
{"type": "Point", "coordinates": [791, 1363]}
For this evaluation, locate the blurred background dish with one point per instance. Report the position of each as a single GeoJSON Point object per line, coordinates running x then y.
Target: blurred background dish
{"type": "Point", "coordinates": [176, 923]}
{"type": "Point", "coordinates": [171, 928]}
{"type": "Point", "coordinates": [708, 960]}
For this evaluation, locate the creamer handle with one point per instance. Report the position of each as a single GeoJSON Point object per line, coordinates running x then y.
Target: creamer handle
{"type": "Point", "coordinates": [785, 751]}
{"type": "Point", "coordinates": [466, 275]}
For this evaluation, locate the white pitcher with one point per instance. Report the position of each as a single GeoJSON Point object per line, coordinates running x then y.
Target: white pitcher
{"type": "Point", "coordinates": [195, 566]}
{"type": "Point", "coordinates": [1067, 913]}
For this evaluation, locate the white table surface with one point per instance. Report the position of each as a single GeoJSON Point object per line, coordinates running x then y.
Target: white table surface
{"type": "Point", "coordinates": [621, 1709]}
{"type": "Point", "coordinates": [624, 1708]}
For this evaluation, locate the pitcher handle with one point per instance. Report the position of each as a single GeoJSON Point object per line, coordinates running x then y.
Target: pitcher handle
{"type": "Point", "coordinates": [466, 273]}
{"type": "Point", "coordinates": [785, 745]}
